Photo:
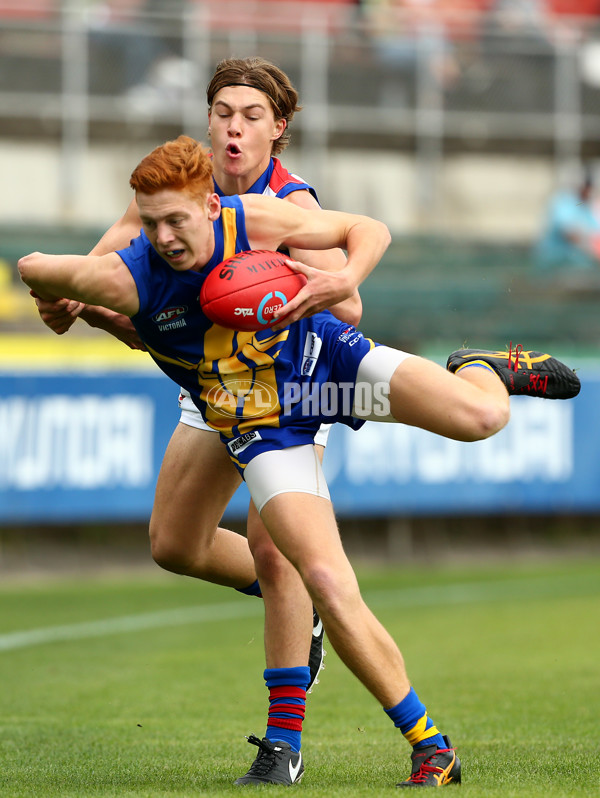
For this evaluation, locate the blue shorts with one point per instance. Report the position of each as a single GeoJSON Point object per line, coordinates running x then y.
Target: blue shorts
{"type": "Point", "coordinates": [316, 375]}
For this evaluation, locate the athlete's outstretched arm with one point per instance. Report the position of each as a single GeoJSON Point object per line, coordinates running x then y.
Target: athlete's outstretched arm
{"type": "Point", "coordinates": [61, 314]}
{"type": "Point", "coordinates": [93, 279]}
{"type": "Point", "coordinates": [271, 223]}
{"type": "Point", "coordinates": [327, 260]}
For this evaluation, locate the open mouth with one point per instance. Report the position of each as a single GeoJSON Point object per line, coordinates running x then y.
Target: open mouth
{"type": "Point", "coordinates": [233, 149]}
{"type": "Point", "coordinates": [174, 254]}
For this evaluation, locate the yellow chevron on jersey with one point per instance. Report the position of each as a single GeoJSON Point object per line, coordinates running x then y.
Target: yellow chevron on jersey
{"type": "Point", "coordinates": [239, 397]}
{"type": "Point", "coordinates": [242, 384]}
{"type": "Point", "coordinates": [236, 394]}
{"type": "Point", "coordinates": [229, 383]}
{"type": "Point", "coordinates": [174, 361]}
{"type": "Point", "coordinates": [229, 221]}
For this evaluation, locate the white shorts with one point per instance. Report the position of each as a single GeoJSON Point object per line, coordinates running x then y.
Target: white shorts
{"type": "Point", "coordinates": [376, 369]}
{"type": "Point", "coordinates": [192, 417]}
{"type": "Point", "coordinates": [297, 469]}
{"type": "Point", "coordinates": [293, 470]}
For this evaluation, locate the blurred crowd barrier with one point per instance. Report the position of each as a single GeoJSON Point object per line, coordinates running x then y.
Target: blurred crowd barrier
{"type": "Point", "coordinates": [519, 76]}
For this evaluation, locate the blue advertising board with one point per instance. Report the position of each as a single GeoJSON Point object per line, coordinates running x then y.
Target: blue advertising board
{"type": "Point", "coordinates": [77, 447]}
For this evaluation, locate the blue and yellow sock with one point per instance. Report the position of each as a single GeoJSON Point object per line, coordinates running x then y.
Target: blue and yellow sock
{"type": "Point", "coordinates": [478, 364]}
{"type": "Point", "coordinates": [410, 716]}
{"type": "Point", "coordinates": [287, 704]}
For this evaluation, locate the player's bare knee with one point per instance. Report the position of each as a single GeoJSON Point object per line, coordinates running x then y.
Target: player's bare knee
{"type": "Point", "coordinates": [496, 418]}
{"type": "Point", "coordinates": [172, 557]}
{"type": "Point", "coordinates": [329, 589]}
{"type": "Point", "coordinates": [166, 557]}
{"type": "Point", "coordinates": [488, 420]}
{"type": "Point", "coordinates": [269, 562]}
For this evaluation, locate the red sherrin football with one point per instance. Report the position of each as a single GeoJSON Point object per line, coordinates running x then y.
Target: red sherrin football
{"type": "Point", "coordinates": [243, 292]}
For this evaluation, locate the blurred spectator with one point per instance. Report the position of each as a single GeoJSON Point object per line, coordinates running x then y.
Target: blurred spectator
{"type": "Point", "coordinates": [520, 18]}
{"type": "Point", "coordinates": [574, 8]}
{"type": "Point", "coordinates": [573, 21]}
{"type": "Point", "coordinates": [277, 15]}
{"type": "Point", "coordinates": [128, 38]}
{"type": "Point", "coordinates": [405, 31]}
{"type": "Point", "coordinates": [571, 236]}
{"type": "Point", "coordinates": [28, 9]}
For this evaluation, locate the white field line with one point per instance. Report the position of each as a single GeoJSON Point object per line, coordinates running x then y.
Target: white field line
{"type": "Point", "coordinates": [129, 623]}
{"type": "Point", "coordinates": [466, 593]}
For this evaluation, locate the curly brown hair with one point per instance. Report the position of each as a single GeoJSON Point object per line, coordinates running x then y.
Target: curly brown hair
{"type": "Point", "coordinates": [264, 76]}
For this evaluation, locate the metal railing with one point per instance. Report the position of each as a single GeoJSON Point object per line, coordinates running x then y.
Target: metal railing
{"type": "Point", "coordinates": [71, 72]}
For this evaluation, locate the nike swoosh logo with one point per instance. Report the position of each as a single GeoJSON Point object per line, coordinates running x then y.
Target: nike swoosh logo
{"type": "Point", "coordinates": [294, 769]}
{"type": "Point", "coordinates": [318, 628]}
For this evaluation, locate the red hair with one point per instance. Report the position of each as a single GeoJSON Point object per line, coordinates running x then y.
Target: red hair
{"type": "Point", "coordinates": [182, 165]}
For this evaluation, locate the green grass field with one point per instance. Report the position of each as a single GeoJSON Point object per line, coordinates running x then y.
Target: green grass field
{"type": "Point", "coordinates": [146, 685]}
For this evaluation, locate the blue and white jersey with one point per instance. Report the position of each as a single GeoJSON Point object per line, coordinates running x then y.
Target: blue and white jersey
{"type": "Point", "coordinates": [276, 181]}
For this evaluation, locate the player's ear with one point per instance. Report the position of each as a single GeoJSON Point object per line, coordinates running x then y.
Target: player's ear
{"type": "Point", "coordinates": [213, 204]}
{"type": "Point", "coordinates": [278, 129]}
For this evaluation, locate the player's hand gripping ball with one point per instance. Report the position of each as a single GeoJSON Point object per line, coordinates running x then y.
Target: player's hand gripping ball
{"type": "Point", "coordinates": [246, 290]}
